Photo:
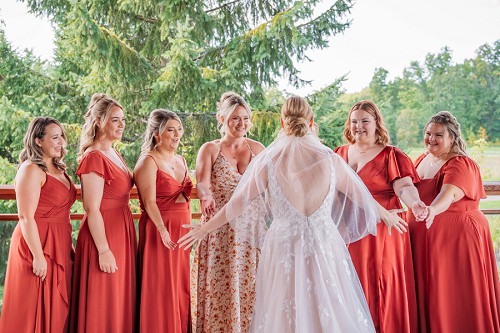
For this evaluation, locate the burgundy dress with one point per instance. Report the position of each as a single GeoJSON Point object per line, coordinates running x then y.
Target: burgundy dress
{"type": "Point", "coordinates": [164, 273]}
{"type": "Point", "coordinates": [384, 263]}
{"type": "Point", "coordinates": [30, 304]}
{"type": "Point", "coordinates": [106, 302]}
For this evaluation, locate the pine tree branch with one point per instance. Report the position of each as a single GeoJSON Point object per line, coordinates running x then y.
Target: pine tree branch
{"type": "Point", "coordinates": [147, 19]}
{"type": "Point", "coordinates": [221, 6]}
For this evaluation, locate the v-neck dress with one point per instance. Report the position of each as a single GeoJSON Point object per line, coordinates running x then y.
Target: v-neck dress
{"type": "Point", "coordinates": [106, 302]}
{"type": "Point", "coordinates": [165, 274]}
{"type": "Point", "coordinates": [384, 263]}
{"type": "Point", "coordinates": [455, 267]}
{"type": "Point", "coordinates": [224, 270]}
{"type": "Point", "coordinates": [30, 304]}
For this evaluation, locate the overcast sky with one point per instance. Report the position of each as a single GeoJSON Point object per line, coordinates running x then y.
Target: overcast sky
{"type": "Point", "coordinates": [384, 33]}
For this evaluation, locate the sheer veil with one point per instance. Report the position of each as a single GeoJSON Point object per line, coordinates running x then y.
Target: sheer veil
{"type": "Point", "coordinates": [306, 172]}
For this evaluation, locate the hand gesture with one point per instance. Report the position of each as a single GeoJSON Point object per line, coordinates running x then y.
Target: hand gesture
{"type": "Point", "coordinates": [107, 262]}
{"type": "Point", "coordinates": [419, 210]}
{"type": "Point", "coordinates": [40, 267]}
{"type": "Point", "coordinates": [207, 205]}
{"type": "Point", "coordinates": [431, 214]}
{"type": "Point", "coordinates": [196, 233]}
{"type": "Point", "coordinates": [392, 220]}
{"type": "Point", "coordinates": [165, 237]}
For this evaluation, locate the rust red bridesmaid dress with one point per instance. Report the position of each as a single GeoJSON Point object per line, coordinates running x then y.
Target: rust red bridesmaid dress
{"type": "Point", "coordinates": [384, 263]}
{"type": "Point", "coordinates": [30, 304]}
{"type": "Point", "coordinates": [106, 302]}
{"type": "Point", "coordinates": [455, 268]}
{"type": "Point", "coordinates": [164, 274]}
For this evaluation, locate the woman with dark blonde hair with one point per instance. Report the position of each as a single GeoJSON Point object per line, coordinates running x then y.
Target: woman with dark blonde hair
{"type": "Point", "coordinates": [305, 279]}
{"type": "Point", "coordinates": [224, 287]}
{"type": "Point", "coordinates": [104, 288]}
{"type": "Point", "coordinates": [384, 263]}
{"type": "Point", "coordinates": [39, 270]}
{"type": "Point", "coordinates": [164, 186]}
{"type": "Point", "coordinates": [455, 267]}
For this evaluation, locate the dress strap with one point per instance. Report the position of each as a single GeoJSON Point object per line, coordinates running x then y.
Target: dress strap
{"type": "Point", "coordinates": [250, 149]}
{"type": "Point", "coordinates": [154, 160]}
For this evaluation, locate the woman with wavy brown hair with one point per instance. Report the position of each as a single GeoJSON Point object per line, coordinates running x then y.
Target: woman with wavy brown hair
{"type": "Point", "coordinates": [455, 267]}
{"type": "Point", "coordinates": [39, 270]}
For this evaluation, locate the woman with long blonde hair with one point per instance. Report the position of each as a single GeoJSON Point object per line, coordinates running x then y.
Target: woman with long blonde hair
{"type": "Point", "coordinates": [104, 288]}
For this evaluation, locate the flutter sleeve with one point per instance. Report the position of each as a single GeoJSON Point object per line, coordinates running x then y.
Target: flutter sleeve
{"type": "Point", "coordinates": [399, 165]}
{"type": "Point", "coordinates": [463, 172]}
{"type": "Point", "coordinates": [96, 163]}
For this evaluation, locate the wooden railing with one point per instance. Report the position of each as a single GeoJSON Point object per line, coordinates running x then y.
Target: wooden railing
{"type": "Point", "coordinates": [7, 193]}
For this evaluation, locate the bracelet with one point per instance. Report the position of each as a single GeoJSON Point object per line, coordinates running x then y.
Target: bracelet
{"type": "Point", "coordinates": [105, 251]}
{"type": "Point", "coordinates": [161, 226]}
{"type": "Point", "coordinates": [203, 197]}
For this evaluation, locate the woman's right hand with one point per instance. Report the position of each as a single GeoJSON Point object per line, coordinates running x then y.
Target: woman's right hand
{"type": "Point", "coordinates": [196, 234]}
{"type": "Point", "coordinates": [165, 237]}
{"type": "Point", "coordinates": [107, 262]}
{"type": "Point", "coordinates": [207, 205]}
{"type": "Point", "coordinates": [40, 267]}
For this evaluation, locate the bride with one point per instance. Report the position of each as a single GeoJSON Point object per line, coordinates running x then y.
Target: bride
{"type": "Point", "coordinates": [300, 203]}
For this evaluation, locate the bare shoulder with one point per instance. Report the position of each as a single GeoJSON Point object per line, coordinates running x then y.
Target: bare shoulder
{"type": "Point", "coordinates": [145, 163]}
{"type": "Point", "coordinates": [256, 146]}
{"type": "Point", "coordinates": [210, 148]}
{"type": "Point", "coordinates": [30, 173]}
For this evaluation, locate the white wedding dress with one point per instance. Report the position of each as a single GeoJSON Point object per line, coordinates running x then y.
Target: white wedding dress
{"type": "Point", "coordinates": [305, 280]}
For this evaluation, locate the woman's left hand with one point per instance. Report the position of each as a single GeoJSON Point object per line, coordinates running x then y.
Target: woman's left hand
{"type": "Point", "coordinates": [431, 214]}
{"type": "Point", "coordinates": [196, 233]}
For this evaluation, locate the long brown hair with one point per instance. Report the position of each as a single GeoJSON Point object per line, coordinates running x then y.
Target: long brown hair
{"type": "Point", "coordinates": [33, 152]}
{"type": "Point", "coordinates": [450, 122]}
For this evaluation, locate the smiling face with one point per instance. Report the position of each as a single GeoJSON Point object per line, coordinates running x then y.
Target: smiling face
{"type": "Point", "coordinates": [52, 144]}
{"type": "Point", "coordinates": [171, 135]}
{"type": "Point", "coordinates": [437, 139]}
{"type": "Point", "coordinates": [113, 130]}
{"type": "Point", "coordinates": [362, 126]}
{"type": "Point", "coordinates": [238, 122]}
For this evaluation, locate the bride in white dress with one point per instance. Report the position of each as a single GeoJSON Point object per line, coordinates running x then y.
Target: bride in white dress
{"type": "Point", "coordinates": [300, 203]}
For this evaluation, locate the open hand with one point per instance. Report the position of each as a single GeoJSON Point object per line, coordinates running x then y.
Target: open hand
{"type": "Point", "coordinates": [431, 214]}
{"type": "Point", "coordinates": [393, 220]}
{"type": "Point", "coordinates": [196, 233]}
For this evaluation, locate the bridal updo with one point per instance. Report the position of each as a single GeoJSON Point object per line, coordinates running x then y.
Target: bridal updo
{"type": "Point", "coordinates": [296, 114]}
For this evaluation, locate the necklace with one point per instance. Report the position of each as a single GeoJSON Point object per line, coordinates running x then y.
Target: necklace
{"type": "Point", "coordinates": [360, 151]}
{"type": "Point", "coordinates": [437, 160]}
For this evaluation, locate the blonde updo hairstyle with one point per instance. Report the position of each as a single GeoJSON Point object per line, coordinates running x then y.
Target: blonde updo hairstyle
{"type": "Point", "coordinates": [96, 117]}
{"type": "Point", "coordinates": [296, 114]}
{"type": "Point", "coordinates": [157, 121]}
{"type": "Point", "coordinates": [33, 152]}
{"type": "Point", "coordinates": [451, 124]}
{"type": "Point", "coordinates": [381, 133]}
{"type": "Point", "coordinates": [228, 102]}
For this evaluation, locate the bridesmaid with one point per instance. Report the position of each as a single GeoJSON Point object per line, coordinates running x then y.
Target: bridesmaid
{"type": "Point", "coordinates": [455, 267]}
{"type": "Point", "coordinates": [38, 279]}
{"type": "Point", "coordinates": [164, 186]}
{"type": "Point", "coordinates": [383, 263]}
{"type": "Point", "coordinates": [104, 288]}
{"type": "Point", "coordinates": [225, 282]}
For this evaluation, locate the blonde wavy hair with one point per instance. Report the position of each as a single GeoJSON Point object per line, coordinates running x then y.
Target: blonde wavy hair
{"type": "Point", "coordinates": [96, 117]}
{"type": "Point", "coordinates": [156, 123]}
{"type": "Point", "coordinates": [228, 102]}
{"type": "Point", "coordinates": [296, 114]}
{"type": "Point", "coordinates": [33, 152]}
